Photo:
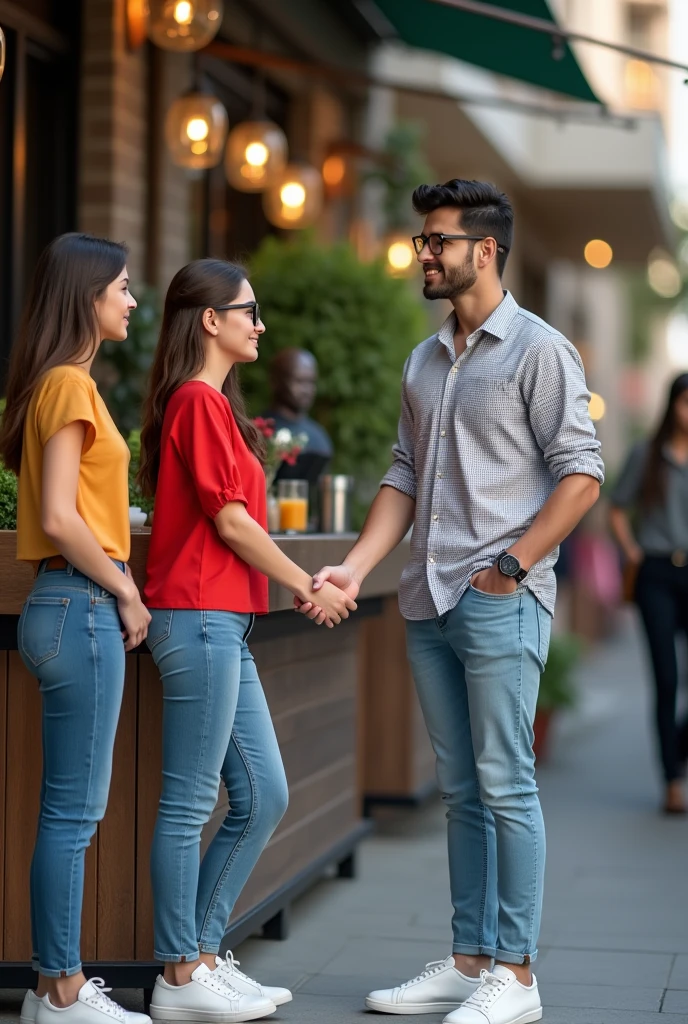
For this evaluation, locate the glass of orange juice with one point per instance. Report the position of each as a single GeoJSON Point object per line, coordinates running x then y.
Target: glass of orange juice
{"type": "Point", "coordinates": [292, 498]}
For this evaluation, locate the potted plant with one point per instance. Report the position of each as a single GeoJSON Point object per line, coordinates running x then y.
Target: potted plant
{"type": "Point", "coordinates": [556, 687]}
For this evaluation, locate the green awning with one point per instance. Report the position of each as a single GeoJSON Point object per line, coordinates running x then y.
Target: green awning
{"type": "Point", "coordinates": [507, 49]}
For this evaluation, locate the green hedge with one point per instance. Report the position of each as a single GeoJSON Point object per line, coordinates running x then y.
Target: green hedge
{"type": "Point", "coordinates": [358, 322]}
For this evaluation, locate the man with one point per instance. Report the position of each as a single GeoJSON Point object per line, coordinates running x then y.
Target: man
{"type": "Point", "coordinates": [293, 383]}
{"type": "Point", "coordinates": [495, 464]}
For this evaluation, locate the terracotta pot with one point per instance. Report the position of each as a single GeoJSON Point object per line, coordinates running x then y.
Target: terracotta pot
{"type": "Point", "coordinates": [541, 727]}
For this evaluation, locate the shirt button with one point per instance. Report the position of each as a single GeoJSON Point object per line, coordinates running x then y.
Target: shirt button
{"type": "Point", "coordinates": [435, 516]}
{"type": "Point", "coordinates": [431, 558]}
{"type": "Point", "coordinates": [439, 476]}
{"type": "Point", "coordinates": [443, 433]}
{"type": "Point", "coordinates": [454, 369]}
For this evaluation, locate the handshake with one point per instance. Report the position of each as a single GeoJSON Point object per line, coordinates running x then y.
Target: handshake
{"type": "Point", "coordinates": [330, 596]}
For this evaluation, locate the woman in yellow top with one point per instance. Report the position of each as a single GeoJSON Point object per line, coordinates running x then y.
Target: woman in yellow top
{"type": "Point", "coordinates": [84, 610]}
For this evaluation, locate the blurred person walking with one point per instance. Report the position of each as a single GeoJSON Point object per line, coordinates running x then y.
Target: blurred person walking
{"type": "Point", "coordinates": [209, 560]}
{"type": "Point", "coordinates": [84, 610]}
{"type": "Point", "coordinates": [495, 464]}
{"type": "Point", "coordinates": [649, 518]}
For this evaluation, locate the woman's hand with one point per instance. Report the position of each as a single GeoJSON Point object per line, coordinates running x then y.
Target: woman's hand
{"type": "Point", "coordinates": [333, 605]}
{"type": "Point", "coordinates": [341, 576]}
{"type": "Point", "coordinates": [135, 618]}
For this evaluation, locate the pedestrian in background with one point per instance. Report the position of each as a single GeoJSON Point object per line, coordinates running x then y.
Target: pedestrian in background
{"type": "Point", "coordinates": [649, 518]}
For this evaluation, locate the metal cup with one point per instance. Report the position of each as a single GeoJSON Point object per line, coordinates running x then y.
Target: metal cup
{"type": "Point", "coordinates": [335, 503]}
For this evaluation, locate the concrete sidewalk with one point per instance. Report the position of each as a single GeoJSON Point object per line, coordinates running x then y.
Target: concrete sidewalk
{"type": "Point", "coordinates": [614, 945]}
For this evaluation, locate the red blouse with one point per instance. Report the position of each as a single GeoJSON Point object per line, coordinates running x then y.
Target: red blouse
{"type": "Point", "coordinates": [204, 464]}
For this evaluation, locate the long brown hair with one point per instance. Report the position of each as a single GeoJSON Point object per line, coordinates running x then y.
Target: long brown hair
{"type": "Point", "coordinates": [653, 489]}
{"type": "Point", "coordinates": [59, 324]}
{"type": "Point", "coordinates": [180, 356]}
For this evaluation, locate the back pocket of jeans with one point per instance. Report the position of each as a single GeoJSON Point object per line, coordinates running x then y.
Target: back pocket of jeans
{"type": "Point", "coordinates": [40, 628]}
{"type": "Point", "coordinates": [159, 628]}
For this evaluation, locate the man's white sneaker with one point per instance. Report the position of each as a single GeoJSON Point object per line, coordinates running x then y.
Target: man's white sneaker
{"type": "Point", "coordinates": [92, 1006]}
{"type": "Point", "coordinates": [228, 969]}
{"type": "Point", "coordinates": [29, 1007]}
{"type": "Point", "coordinates": [207, 997]}
{"type": "Point", "coordinates": [438, 989]}
{"type": "Point", "coordinates": [499, 999]}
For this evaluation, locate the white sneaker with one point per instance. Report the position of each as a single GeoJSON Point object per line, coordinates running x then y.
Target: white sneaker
{"type": "Point", "coordinates": [499, 999]}
{"type": "Point", "coordinates": [228, 969]}
{"type": "Point", "coordinates": [207, 997]}
{"type": "Point", "coordinates": [438, 989]}
{"type": "Point", "coordinates": [92, 1006]}
{"type": "Point", "coordinates": [29, 1007]}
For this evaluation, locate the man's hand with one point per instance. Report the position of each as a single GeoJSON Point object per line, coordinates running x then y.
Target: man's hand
{"type": "Point", "coordinates": [340, 576]}
{"type": "Point", "coordinates": [492, 581]}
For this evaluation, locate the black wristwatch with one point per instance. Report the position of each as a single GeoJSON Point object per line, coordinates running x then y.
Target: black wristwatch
{"type": "Point", "coordinates": [509, 565]}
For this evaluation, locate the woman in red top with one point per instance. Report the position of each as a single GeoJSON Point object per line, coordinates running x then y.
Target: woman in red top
{"type": "Point", "coordinates": [207, 576]}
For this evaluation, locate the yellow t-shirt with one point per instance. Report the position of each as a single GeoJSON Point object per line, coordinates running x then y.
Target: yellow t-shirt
{"type": "Point", "coordinates": [67, 394]}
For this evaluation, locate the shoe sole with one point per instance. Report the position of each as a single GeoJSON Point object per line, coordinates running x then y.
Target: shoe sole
{"type": "Point", "coordinates": [209, 1016]}
{"type": "Point", "coordinates": [410, 1008]}
{"type": "Point", "coordinates": [283, 1000]}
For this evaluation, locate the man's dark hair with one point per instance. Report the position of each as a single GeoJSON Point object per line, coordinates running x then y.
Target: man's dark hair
{"type": "Point", "coordinates": [484, 209]}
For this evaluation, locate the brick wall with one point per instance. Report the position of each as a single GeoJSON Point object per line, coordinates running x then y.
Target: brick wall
{"type": "Point", "coordinates": [127, 192]}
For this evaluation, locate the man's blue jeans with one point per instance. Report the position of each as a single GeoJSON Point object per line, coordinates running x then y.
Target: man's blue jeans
{"type": "Point", "coordinates": [216, 724]}
{"type": "Point", "coordinates": [477, 671]}
{"type": "Point", "coordinates": [69, 637]}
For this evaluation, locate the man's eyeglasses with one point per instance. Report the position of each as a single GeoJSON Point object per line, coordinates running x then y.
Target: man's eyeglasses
{"type": "Point", "coordinates": [435, 242]}
{"type": "Point", "coordinates": [253, 306]}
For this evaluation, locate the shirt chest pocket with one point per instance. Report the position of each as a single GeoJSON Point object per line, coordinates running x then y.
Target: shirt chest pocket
{"type": "Point", "coordinates": [489, 405]}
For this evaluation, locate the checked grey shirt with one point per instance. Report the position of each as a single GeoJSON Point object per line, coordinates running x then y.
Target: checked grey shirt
{"type": "Point", "coordinates": [483, 441]}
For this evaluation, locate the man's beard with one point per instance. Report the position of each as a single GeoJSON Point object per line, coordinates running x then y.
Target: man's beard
{"type": "Point", "coordinates": [456, 280]}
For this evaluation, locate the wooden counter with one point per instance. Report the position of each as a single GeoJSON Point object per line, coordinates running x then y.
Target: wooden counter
{"type": "Point", "coordinates": [338, 699]}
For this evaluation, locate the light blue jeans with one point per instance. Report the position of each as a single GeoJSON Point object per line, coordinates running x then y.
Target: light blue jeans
{"type": "Point", "coordinates": [216, 724]}
{"type": "Point", "coordinates": [477, 671]}
{"type": "Point", "coordinates": [69, 637]}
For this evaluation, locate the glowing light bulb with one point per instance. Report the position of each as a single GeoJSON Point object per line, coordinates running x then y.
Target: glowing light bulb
{"type": "Point", "coordinates": [293, 195]}
{"type": "Point", "coordinates": [400, 255]}
{"type": "Point", "coordinates": [597, 407]}
{"type": "Point", "coordinates": [183, 12]}
{"type": "Point", "coordinates": [198, 129]}
{"type": "Point", "coordinates": [334, 170]}
{"type": "Point", "coordinates": [598, 253]}
{"type": "Point", "coordinates": [257, 154]}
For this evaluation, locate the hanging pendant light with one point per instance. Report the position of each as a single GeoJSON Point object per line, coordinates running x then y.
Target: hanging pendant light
{"type": "Point", "coordinates": [295, 200]}
{"type": "Point", "coordinates": [2, 53]}
{"type": "Point", "coordinates": [399, 254]}
{"type": "Point", "coordinates": [184, 25]}
{"type": "Point", "coordinates": [195, 130]}
{"type": "Point", "coordinates": [256, 155]}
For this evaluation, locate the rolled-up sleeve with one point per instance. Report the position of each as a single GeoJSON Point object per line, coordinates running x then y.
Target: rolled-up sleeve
{"type": "Point", "coordinates": [402, 473]}
{"type": "Point", "coordinates": [557, 398]}
{"type": "Point", "coordinates": [203, 439]}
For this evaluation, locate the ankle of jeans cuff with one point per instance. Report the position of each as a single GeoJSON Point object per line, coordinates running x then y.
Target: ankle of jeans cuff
{"type": "Point", "coordinates": [176, 958]}
{"type": "Point", "coordinates": [69, 972]}
{"type": "Point", "coordinates": [463, 949]}
{"type": "Point", "coordinates": [519, 959]}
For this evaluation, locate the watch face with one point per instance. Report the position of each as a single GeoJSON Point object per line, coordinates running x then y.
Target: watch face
{"type": "Point", "coordinates": [509, 565]}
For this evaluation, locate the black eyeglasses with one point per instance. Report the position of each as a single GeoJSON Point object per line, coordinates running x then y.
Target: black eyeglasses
{"type": "Point", "coordinates": [435, 242]}
{"type": "Point", "coordinates": [253, 306]}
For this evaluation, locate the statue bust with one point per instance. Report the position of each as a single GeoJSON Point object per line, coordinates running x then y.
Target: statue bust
{"type": "Point", "coordinates": [293, 385]}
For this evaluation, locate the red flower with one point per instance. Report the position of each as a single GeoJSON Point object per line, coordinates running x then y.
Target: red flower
{"type": "Point", "coordinates": [265, 426]}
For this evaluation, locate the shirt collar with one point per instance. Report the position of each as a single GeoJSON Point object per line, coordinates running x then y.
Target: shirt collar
{"type": "Point", "coordinates": [496, 326]}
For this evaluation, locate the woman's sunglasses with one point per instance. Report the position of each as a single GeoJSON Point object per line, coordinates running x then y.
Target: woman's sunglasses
{"type": "Point", "coordinates": [253, 306]}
